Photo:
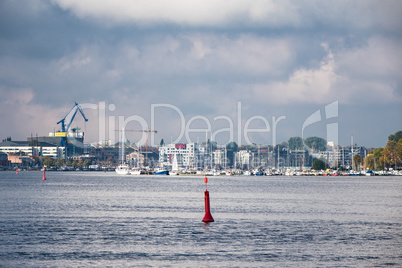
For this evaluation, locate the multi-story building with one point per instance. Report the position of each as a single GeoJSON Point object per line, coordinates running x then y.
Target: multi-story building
{"type": "Point", "coordinates": [135, 158]}
{"type": "Point", "coordinates": [21, 161]}
{"type": "Point", "coordinates": [244, 159]}
{"type": "Point", "coordinates": [220, 158]}
{"type": "Point", "coordinates": [31, 149]}
{"type": "Point", "coordinates": [337, 156]}
{"type": "Point", "coordinates": [186, 155]}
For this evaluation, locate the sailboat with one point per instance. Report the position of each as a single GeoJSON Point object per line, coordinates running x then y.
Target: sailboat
{"type": "Point", "coordinates": [137, 170]}
{"type": "Point", "coordinates": [122, 169]}
{"type": "Point", "coordinates": [175, 166]}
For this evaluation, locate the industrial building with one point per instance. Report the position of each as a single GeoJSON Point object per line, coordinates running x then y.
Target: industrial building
{"type": "Point", "coordinates": [30, 148]}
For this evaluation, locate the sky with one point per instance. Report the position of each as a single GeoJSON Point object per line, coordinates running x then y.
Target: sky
{"type": "Point", "coordinates": [257, 71]}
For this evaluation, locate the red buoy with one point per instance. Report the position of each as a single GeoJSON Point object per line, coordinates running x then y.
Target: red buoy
{"type": "Point", "coordinates": [16, 172]}
{"type": "Point", "coordinates": [208, 216]}
{"type": "Point", "coordinates": [44, 177]}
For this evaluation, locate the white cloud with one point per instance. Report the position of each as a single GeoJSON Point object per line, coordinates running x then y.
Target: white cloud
{"type": "Point", "coordinates": [371, 72]}
{"type": "Point", "coordinates": [380, 57]}
{"type": "Point", "coordinates": [196, 12]}
{"type": "Point", "coordinates": [304, 85]}
{"type": "Point", "coordinates": [221, 13]}
{"type": "Point", "coordinates": [365, 74]}
{"type": "Point", "coordinates": [24, 116]}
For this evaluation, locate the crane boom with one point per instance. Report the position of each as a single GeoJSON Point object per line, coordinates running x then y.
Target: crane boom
{"type": "Point", "coordinates": [72, 113]}
{"type": "Point", "coordinates": [69, 118]}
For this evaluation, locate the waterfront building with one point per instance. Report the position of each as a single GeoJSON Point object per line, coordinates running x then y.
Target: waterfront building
{"type": "Point", "coordinates": [135, 158]}
{"type": "Point", "coordinates": [336, 156]}
{"type": "Point", "coordinates": [298, 158]}
{"type": "Point", "coordinates": [31, 149]}
{"type": "Point", "coordinates": [21, 161]}
{"type": "Point", "coordinates": [220, 158]}
{"type": "Point", "coordinates": [243, 159]}
{"type": "Point", "coordinates": [185, 154]}
{"type": "Point", "coordinates": [75, 143]}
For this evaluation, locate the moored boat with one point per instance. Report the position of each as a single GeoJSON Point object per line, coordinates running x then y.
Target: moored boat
{"type": "Point", "coordinates": [123, 170]}
{"type": "Point", "coordinates": [162, 172]}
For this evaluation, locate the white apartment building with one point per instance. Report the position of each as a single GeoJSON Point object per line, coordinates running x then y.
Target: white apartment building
{"type": "Point", "coordinates": [243, 158]}
{"type": "Point", "coordinates": [185, 154]}
{"type": "Point", "coordinates": [220, 158]}
{"type": "Point", "coordinates": [44, 149]}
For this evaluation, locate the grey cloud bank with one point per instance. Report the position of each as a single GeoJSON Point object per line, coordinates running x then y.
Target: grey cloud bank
{"type": "Point", "coordinates": [285, 58]}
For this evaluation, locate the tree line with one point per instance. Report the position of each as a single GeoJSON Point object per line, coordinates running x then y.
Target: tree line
{"type": "Point", "coordinates": [389, 156]}
{"type": "Point", "coordinates": [50, 162]}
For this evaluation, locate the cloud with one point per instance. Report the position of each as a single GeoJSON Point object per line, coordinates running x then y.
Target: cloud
{"type": "Point", "coordinates": [304, 85]}
{"type": "Point", "coordinates": [379, 57]}
{"type": "Point", "coordinates": [369, 73]}
{"type": "Point", "coordinates": [196, 12]}
{"type": "Point", "coordinates": [238, 13]}
{"type": "Point", "coordinates": [24, 116]}
{"type": "Point", "coordinates": [276, 57]}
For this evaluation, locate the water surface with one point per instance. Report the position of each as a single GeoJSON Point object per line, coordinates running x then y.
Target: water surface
{"type": "Point", "coordinates": [102, 219]}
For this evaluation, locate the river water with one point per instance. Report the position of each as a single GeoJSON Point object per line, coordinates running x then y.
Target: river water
{"type": "Point", "coordinates": [85, 219]}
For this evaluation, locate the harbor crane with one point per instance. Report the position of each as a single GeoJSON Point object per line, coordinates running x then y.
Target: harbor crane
{"type": "Point", "coordinates": [66, 126]}
{"type": "Point", "coordinates": [146, 132]}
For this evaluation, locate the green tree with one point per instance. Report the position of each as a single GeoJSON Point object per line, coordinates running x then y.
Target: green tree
{"type": "Point", "coordinates": [162, 143]}
{"type": "Point", "coordinates": [369, 161]}
{"type": "Point", "coordinates": [318, 164]}
{"type": "Point", "coordinates": [283, 146]}
{"type": "Point", "coordinates": [87, 162]}
{"type": "Point", "coordinates": [48, 161]}
{"type": "Point", "coordinates": [378, 159]}
{"type": "Point", "coordinates": [392, 153]}
{"type": "Point", "coordinates": [357, 161]}
{"type": "Point", "coordinates": [61, 162]}
{"type": "Point", "coordinates": [80, 163]}
{"type": "Point", "coordinates": [295, 143]}
{"type": "Point", "coordinates": [395, 137]}
{"type": "Point", "coordinates": [252, 147]}
{"type": "Point", "coordinates": [316, 143]}
{"type": "Point", "coordinates": [398, 153]}
{"type": "Point", "coordinates": [232, 146]}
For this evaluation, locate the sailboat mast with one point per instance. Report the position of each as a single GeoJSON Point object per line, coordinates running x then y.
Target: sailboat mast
{"type": "Point", "coordinates": [122, 145]}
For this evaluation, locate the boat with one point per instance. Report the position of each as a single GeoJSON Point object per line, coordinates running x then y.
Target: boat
{"type": "Point", "coordinates": [123, 169]}
{"type": "Point", "coordinates": [370, 173]}
{"type": "Point", "coordinates": [162, 172]}
{"type": "Point", "coordinates": [216, 173]}
{"type": "Point", "coordinates": [259, 172]}
{"type": "Point", "coordinates": [136, 171]}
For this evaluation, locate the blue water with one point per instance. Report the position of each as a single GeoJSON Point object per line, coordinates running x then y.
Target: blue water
{"type": "Point", "coordinates": [102, 219]}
